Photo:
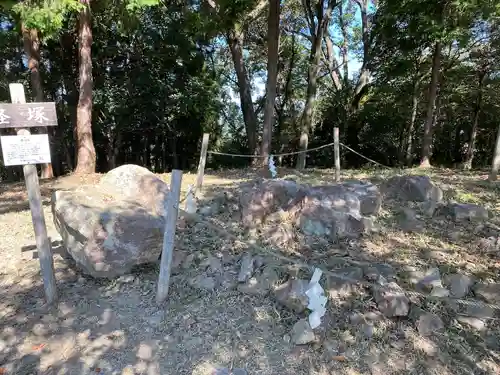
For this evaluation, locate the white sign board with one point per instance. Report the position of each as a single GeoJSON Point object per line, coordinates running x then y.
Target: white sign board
{"type": "Point", "coordinates": [25, 149]}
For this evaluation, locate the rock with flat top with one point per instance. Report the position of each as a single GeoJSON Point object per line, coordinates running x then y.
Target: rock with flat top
{"type": "Point", "coordinates": [302, 333]}
{"type": "Point", "coordinates": [413, 188]}
{"type": "Point", "coordinates": [333, 211]}
{"type": "Point", "coordinates": [260, 199]}
{"type": "Point", "coordinates": [261, 284]}
{"type": "Point", "coordinates": [467, 211]}
{"type": "Point", "coordinates": [293, 295]}
{"type": "Point", "coordinates": [391, 299]}
{"type": "Point", "coordinates": [488, 292]}
{"type": "Point", "coordinates": [459, 285]}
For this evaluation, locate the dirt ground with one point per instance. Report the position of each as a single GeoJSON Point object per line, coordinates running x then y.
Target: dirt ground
{"type": "Point", "coordinates": [115, 327]}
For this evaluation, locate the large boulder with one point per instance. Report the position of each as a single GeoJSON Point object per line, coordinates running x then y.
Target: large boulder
{"type": "Point", "coordinates": [137, 183]}
{"type": "Point", "coordinates": [332, 211]}
{"type": "Point", "coordinates": [413, 188]}
{"type": "Point", "coordinates": [261, 198]}
{"type": "Point", "coordinates": [108, 230]}
{"type": "Point", "coordinates": [338, 211]}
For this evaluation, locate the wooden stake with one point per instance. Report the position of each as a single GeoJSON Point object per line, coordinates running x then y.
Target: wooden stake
{"type": "Point", "coordinates": [336, 150]}
{"type": "Point", "coordinates": [203, 160]}
{"type": "Point", "coordinates": [35, 201]}
{"type": "Point", "coordinates": [172, 212]}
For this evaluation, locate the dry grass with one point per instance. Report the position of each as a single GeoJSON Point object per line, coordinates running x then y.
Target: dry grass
{"type": "Point", "coordinates": [114, 327]}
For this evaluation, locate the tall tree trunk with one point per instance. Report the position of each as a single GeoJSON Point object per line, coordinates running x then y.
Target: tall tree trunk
{"type": "Point", "coordinates": [273, 35]}
{"type": "Point", "coordinates": [429, 119]}
{"type": "Point", "coordinates": [469, 156]}
{"type": "Point", "coordinates": [495, 165]}
{"type": "Point", "coordinates": [411, 127]}
{"type": "Point", "coordinates": [235, 42]}
{"type": "Point", "coordinates": [318, 26]}
{"type": "Point", "coordinates": [32, 50]}
{"type": "Point", "coordinates": [86, 156]}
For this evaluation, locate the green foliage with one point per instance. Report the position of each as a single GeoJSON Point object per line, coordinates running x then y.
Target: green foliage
{"type": "Point", "coordinates": [46, 16]}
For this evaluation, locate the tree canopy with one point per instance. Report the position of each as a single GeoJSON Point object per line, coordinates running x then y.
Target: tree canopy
{"type": "Point", "coordinates": [407, 82]}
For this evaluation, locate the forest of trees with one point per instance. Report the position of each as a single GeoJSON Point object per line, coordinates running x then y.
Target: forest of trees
{"type": "Point", "coordinates": [408, 82]}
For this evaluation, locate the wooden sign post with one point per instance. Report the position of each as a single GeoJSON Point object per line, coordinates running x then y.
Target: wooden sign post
{"type": "Point", "coordinates": [27, 150]}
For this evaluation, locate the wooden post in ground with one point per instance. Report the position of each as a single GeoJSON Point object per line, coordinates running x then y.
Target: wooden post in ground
{"type": "Point", "coordinates": [35, 202]}
{"type": "Point", "coordinates": [336, 150]}
{"type": "Point", "coordinates": [172, 211]}
{"type": "Point", "coordinates": [203, 161]}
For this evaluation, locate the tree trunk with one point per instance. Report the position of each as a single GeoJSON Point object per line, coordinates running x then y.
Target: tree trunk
{"type": "Point", "coordinates": [469, 156]}
{"type": "Point", "coordinates": [86, 156]}
{"type": "Point", "coordinates": [235, 42]}
{"type": "Point", "coordinates": [319, 27]}
{"type": "Point", "coordinates": [32, 50]}
{"type": "Point", "coordinates": [495, 165]}
{"type": "Point", "coordinates": [273, 35]}
{"type": "Point", "coordinates": [429, 119]}
{"type": "Point", "coordinates": [411, 127]}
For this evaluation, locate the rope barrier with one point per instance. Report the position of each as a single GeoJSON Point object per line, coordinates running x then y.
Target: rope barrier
{"type": "Point", "coordinates": [311, 268]}
{"type": "Point", "coordinates": [370, 160]}
{"type": "Point", "coordinates": [274, 155]}
{"type": "Point", "coordinates": [299, 152]}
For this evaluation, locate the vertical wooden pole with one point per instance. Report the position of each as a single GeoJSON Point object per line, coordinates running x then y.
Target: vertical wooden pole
{"type": "Point", "coordinates": [336, 149]}
{"type": "Point", "coordinates": [203, 161]}
{"type": "Point", "coordinates": [35, 201]}
{"type": "Point", "coordinates": [172, 211]}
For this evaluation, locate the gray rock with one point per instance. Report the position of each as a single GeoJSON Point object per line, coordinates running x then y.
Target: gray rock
{"type": "Point", "coordinates": [467, 211]}
{"type": "Point", "coordinates": [239, 371]}
{"type": "Point", "coordinates": [302, 333]}
{"type": "Point", "coordinates": [459, 285]}
{"type": "Point", "coordinates": [472, 322]}
{"type": "Point", "coordinates": [292, 294]}
{"type": "Point", "coordinates": [391, 300]}
{"type": "Point", "coordinates": [426, 279]}
{"type": "Point", "coordinates": [136, 183]}
{"type": "Point", "coordinates": [344, 282]}
{"type": "Point", "coordinates": [319, 220]}
{"type": "Point", "coordinates": [203, 282]}
{"type": "Point", "coordinates": [488, 292]}
{"type": "Point", "coordinates": [481, 312]}
{"type": "Point", "coordinates": [439, 291]}
{"type": "Point", "coordinates": [106, 236]}
{"type": "Point", "coordinates": [429, 323]}
{"type": "Point", "coordinates": [375, 270]}
{"type": "Point", "coordinates": [261, 198]}
{"type": "Point", "coordinates": [413, 188]}
{"type": "Point", "coordinates": [247, 268]}
{"type": "Point", "coordinates": [261, 284]}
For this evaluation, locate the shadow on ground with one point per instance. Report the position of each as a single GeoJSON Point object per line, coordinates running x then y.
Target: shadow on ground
{"type": "Point", "coordinates": [114, 326]}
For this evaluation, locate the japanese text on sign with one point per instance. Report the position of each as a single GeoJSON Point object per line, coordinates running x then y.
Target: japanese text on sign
{"type": "Point", "coordinates": [25, 149]}
{"type": "Point", "coordinates": [26, 115]}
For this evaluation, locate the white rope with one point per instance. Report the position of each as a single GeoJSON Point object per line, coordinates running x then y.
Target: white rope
{"type": "Point", "coordinates": [299, 152]}
{"type": "Point", "coordinates": [274, 155]}
{"type": "Point", "coordinates": [364, 157]}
